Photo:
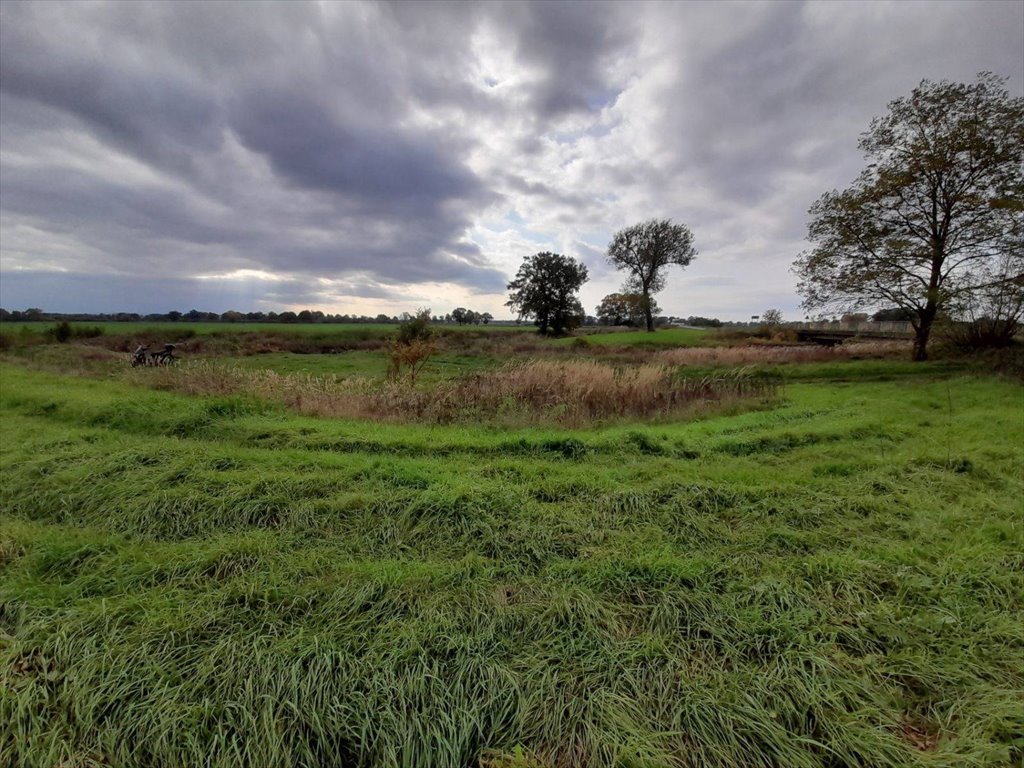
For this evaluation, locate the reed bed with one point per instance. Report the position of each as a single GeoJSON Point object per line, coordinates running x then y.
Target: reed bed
{"type": "Point", "coordinates": [570, 392]}
{"type": "Point", "coordinates": [765, 354]}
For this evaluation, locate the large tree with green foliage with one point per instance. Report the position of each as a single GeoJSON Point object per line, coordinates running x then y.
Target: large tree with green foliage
{"type": "Point", "coordinates": [644, 251]}
{"type": "Point", "coordinates": [936, 216]}
{"type": "Point", "coordinates": [545, 290]}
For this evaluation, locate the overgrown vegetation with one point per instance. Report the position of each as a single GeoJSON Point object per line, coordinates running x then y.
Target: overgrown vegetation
{"type": "Point", "coordinates": [205, 576]}
{"type": "Point", "coordinates": [572, 393]}
{"type": "Point", "coordinates": [763, 354]}
{"type": "Point", "coordinates": [413, 347]}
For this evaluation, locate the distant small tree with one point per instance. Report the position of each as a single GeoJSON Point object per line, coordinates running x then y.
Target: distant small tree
{"type": "Point", "coordinates": [486, 317]}
{"type": "Point", "coordinates": [771, 318]}
{"type": "Point", "coordinates": [61, 332]}
{"type": "Point", "coordinates": [613, 310]}
{"type": "Point", "coordinates": [644, 251]}
{"type": "Point", "coordinates": [624, 309]}
{"type": "Point", "coordinates": [545, 290]}
{"type": "Point", "coordinates": [413, 346]}
{"type": "Point", "coordinates": [460, 315]}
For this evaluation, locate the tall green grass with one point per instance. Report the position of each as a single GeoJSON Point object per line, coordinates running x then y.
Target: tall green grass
{"type": "Point", "coordinates": [212, 581]}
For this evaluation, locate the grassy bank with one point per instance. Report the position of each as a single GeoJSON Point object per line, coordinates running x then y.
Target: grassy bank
{"type": "Point", "coordinates": [214, 581]}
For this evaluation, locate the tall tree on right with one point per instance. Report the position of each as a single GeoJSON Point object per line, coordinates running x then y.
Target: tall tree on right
{"type": "Point", "coordinates": [644, 251]}
{"type": "Point", "coordinates": [936, 216]}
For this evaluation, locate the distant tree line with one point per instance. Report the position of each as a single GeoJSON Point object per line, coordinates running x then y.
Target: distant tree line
{"type": "Point", "coordinates": [460, 316]}
{"type": "Point", "coordinates": [464, 316]}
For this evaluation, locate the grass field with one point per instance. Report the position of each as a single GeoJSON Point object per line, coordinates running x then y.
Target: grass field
{"type": "Point", "coordinates": [837, 580]}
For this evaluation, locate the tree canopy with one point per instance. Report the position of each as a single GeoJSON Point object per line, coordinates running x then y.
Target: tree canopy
{"type": "Point", "coordinates": [644, 251]}
{"type": "Point", "coordinates": [936, 216]}
{"type": "Point", "coordinates": [623, 309]}
{"type": "Point", "coordinates": [545, 290]}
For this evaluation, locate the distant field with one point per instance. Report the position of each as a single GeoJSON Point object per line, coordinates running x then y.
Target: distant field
{"type": "Point", "coordinates": [215, 580]}
{"type": "Point", "coordinates": [669, 337]}
{"type": "Point", "coordinates": [357, 329]}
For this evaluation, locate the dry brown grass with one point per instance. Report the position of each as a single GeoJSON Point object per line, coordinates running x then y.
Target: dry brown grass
{"type": "Point", "coordinates": [569, 392]}
{"type": "Point", "coordinates": [763, 354]}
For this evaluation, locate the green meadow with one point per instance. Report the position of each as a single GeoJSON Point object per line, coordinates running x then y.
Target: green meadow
{"type": "Point", "coordinates": [832, 577]}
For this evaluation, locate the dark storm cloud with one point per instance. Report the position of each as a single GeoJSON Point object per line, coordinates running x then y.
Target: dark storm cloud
{"type": "Point", "coordinates": [311, 147]}
{"type": "Point", "coordinates": [284, 150]}
{"type": "Point", "coordinates": [161, 113]}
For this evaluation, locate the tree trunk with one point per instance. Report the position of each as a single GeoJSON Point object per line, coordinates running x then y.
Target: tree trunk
{"type": "Point", "coordinates": [648, 317]}
{"type": "Point", "coordinates": [922, 332]}
{"type": "Point", "coordinates": [931, 307]}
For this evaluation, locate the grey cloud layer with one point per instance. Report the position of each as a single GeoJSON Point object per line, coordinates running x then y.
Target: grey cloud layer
{"type": "Point", "coordinates": [366, 144]}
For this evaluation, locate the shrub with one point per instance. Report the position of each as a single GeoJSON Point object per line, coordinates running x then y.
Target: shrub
{"type": "Point", "coordinates": [413, 347]}
{"type": "Point", "coordinates": [86, 331]}
{"type": "Point", "coordinates": [64, 331]}
{"type": "Point", "coordinates": [61, 332]}
{"type": "Point", "coordinates": [983, 333]}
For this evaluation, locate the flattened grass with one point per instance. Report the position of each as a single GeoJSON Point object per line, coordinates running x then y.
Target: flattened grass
{"type": "Point", "coordinates": [211, 581]}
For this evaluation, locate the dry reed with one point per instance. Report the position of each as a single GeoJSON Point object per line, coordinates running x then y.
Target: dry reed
{"type": "Point", "coordinates": [569, 392]}
{"type": "Point", "coordinates": [764, 354]}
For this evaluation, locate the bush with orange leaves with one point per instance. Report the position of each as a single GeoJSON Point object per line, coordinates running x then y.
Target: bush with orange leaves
{"type": "Point", "coordinates": [413, 348]}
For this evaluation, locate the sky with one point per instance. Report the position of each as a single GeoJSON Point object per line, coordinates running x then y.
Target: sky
{"type": "Point", "coordinates": [380, 157]}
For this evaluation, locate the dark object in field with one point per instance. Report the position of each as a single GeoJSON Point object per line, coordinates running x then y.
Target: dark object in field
{"type": "Point", "coordinates": [142, 356]}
